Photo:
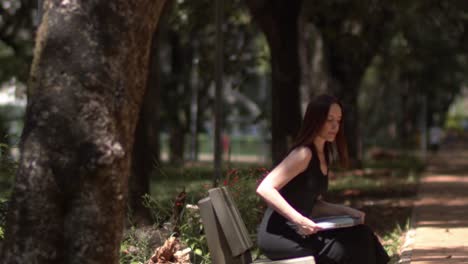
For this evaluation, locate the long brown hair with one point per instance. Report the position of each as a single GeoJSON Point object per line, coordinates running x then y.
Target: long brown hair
{"type": "Point", "coordinates": [315, 117]}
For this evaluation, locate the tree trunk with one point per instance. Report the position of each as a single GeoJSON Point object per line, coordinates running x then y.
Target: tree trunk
{"type": "Point", "coordinates": [345, 81]}
{"type": "Point", "coordinates": [348, 95]}
{"type": "Point", "coordinates": [176, 144]}
{"type": "Point", "coordinates": [146, 152]}
{"type": "Point", "coordinates": [177, 106]}
{"type": "Point", "coordinates": [313, 69]}
{"type": "Point", "coordinates": [279, 22]}
{"type": "Point", "coordinates": [305, 54]}
{"type": "Point", "coordinates": [146, 146]}
{"type": "Point", "coordinates": [350, 44]}
{"type": "Point", "coordinates": [86, 87]}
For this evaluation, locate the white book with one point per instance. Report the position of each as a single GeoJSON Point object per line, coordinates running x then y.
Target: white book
{"type": "Point", "coordinates": [331, 222]}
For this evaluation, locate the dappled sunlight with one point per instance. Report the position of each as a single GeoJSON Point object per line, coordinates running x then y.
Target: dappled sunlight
{"type": "Point", "coordinates": [440, 214]}
{"type": "Point", "coordinates": [440, 254]}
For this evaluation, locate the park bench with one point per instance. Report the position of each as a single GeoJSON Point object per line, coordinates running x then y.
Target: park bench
{"type": "Point", "coordinates": [226, 234]}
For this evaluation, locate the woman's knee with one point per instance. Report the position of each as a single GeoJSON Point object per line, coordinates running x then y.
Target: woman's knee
{"type": "Point", "coordinates": [364, 231]}
{"type": "Point", "coordinates": [360, 237]}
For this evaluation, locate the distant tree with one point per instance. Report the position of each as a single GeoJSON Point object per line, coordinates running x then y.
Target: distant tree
{"type": "Point", "coordinates": [420, 69]}
{"type": "Point", "coordinates": [279, 22]}
{"type": "Point", "coordinates": [86, 87]}
{"type": "Point", "coordinates": [16, 42]}
{"type": "Point", "coordinates": [188, 65]}
{"type": "Point", "coordinates": [353, 32]}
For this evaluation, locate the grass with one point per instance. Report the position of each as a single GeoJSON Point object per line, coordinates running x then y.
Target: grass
{"type": "Point", "coordinates": [393, 240]}
{"type": "Point", "coordinates": [195, 179]}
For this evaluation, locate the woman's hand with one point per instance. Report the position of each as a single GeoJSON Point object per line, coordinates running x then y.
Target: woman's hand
{"type": "Point", "coordinates": [306, 227]}
{"type": "Point", "coordinates": [356, 213]}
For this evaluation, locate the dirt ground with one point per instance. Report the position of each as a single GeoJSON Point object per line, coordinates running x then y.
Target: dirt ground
{"type": "Point", "coordinates": [440, 218]}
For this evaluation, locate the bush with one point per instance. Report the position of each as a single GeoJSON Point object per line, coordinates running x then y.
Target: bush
{"type": "Point", "coordinates": [242, 185]}
{"type": "Point", "coordinates": [192, 234]}
{"type": "Point", "coordinates": [133, 249]}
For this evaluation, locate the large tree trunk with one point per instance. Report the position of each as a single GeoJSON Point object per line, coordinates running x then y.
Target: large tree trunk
{"type": "Point", "coordinates": [86, 87]}
{"type": "Point", "coordinates": [346, 75]}
{"type": "Point", "coordinates": [279, 22]}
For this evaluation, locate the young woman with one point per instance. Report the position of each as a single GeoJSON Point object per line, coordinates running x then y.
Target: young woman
{"type": "Point", "coordinates": [293, 190]}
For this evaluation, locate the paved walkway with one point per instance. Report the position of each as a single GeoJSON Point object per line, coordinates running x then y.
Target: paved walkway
{"type": "Point", "coordinates": [440, 219]}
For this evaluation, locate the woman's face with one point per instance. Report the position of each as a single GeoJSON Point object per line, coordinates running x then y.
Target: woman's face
{"type": "Point", "coordinates": [332, 123]}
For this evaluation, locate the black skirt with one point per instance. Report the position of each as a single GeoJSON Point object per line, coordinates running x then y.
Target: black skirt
{"type": "Point", "coordinates": [351, 245]}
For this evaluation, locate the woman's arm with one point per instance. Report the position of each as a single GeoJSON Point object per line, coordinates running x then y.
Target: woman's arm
{"type": "Point", "coordinates": [322, 208]}
{"type": "Point", "coordinates": [295, 163]}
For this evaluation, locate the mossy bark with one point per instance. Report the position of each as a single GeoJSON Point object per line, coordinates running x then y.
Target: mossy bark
{"type": "Point", "coordinates": [86, 87]}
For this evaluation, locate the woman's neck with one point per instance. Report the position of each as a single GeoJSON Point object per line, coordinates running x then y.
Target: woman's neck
{"type": "Point", "coordinates": [319, 144]}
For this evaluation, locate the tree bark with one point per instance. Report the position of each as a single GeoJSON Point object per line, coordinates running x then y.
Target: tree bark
{"type": "Point", "coordinates": [146, 146]}
{"type": "Point", "coordinates": [86, 87]}
{"type": "Point", "coordinates": [279, 22]}
{"type": "Point", "coordinates": [146, 153]}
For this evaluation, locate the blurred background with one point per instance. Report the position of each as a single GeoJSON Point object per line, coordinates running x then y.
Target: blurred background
{"type": "Point", "coordinates": [400, 67]}
{"type": "Point", "coordinates": [404, 66]}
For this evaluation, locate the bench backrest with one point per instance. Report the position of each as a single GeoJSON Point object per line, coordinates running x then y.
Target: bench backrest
{"type": "Point", "coordinates": [227, 236]}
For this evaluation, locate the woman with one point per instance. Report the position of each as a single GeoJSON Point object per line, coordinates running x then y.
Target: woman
{"type": "Point", "coordinates": [293, 190]}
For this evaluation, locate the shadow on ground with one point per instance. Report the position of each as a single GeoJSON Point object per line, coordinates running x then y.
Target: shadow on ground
{"type": "Point", "coordinates": [441, 255]}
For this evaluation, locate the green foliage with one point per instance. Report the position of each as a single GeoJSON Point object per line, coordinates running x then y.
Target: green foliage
{"type": "Point", "coordinates": [394, 240]}
{"type": "Point", "coordinates": [395, 177]}
{"type": "Point", "coordinates": [457, 115]}
{"type": "Point", "coordinates": [192, 235]}
{"type": "Point", "coordinates": [3, 211]}
{"type": "Point", "coordinates": [8, 167]}
{"type": "Point", "coordinates": [161, 210]}
{"type": "Point", "coordinates": [242, 185]}
{"type": "Point", "coordinates": [134, 250]}
{"type": "Point", "coordinates": [420, 69]}
{"type": "Point", "coordinates": [241, 182]}
{"type": "Point", "coordinates": [170, 181]}
{"type": "Point", "coordinates": [16, 38]}
{"type": "Point", "coordinates": [455, 122]}
{"type": "Point", "coordinates": [406, 164]}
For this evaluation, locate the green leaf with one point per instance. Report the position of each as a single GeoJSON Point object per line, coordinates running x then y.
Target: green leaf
{"type": "Point", "coordinates": [198, 252]}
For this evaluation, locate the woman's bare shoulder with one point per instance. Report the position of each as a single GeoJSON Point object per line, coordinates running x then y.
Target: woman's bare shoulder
{"type": "Point", "coordinates": [300, 155]}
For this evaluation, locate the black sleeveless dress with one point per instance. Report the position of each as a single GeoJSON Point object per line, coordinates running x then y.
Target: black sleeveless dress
{"type": "Point", "coordinates": [277, 238]}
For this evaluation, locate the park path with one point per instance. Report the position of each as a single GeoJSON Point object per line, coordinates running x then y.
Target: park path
{"type": "Point", "coordinates": [440, 217]}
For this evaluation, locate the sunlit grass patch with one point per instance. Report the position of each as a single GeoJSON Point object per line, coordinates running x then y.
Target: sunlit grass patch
{"type": "Point", "coordinates": [393, 240]}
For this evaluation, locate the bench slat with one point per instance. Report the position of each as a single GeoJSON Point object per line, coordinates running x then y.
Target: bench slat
{"type": "Point", "coordinates": [214, 237]}
{"type": "Point", "coordinates": [230, 220]}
